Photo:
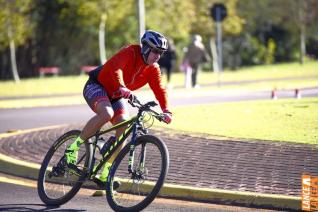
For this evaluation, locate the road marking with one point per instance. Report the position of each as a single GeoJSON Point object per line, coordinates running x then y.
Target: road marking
{"type": "Point", "coordinates": [18, 182]}
{"type": "Point", "coordinates": [33, 184]}
{"type": "Point", "coordinates": [19, 132]}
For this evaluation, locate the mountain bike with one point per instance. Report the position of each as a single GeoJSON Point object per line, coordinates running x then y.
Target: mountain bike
{"type": "Point", "coordinates": [135, 177]}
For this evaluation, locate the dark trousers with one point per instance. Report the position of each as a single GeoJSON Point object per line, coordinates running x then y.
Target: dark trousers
{"type": "Point", "coordinates": [194, 75]}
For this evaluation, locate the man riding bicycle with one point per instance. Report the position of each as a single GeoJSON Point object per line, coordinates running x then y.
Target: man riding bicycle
{"type": "Point", "coordinates": [130, 69]}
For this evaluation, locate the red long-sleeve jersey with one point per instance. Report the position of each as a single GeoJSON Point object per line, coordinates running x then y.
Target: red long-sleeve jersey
{"type": "Point", "coordinates": [127, 68]}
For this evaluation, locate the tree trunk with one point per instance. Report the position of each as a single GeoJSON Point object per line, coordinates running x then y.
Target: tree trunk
{"type": "Point", "coordinates": [302, 30]}
{"type": "Point", "coordinates": [102, 46]}
{"type": "Point", "coordinates": [302, 43]}
{"type": "Point", "coordinates": [14, 68]}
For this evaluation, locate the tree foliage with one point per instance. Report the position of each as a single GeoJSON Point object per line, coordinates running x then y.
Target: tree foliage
{"type": "Point", "coordinates": [203, 24]}
{"type": "Point", "coordinates": [14, 15]}
{"type": "Point", "coordinates": [65, 32]}
{"type": "Point", "coordinates": [171, 17]}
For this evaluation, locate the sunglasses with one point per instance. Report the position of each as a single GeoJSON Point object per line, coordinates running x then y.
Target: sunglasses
{"type": "Point", "coordinates": [157, 51]}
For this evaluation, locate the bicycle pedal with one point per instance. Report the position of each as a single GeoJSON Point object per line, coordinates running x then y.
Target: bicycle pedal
{"type": "Point", "coordinates": [56, 172]}
{"type": "Point", "coordinates": [73, 168]}
{"type": "Point", "coordinates": [102, 184]}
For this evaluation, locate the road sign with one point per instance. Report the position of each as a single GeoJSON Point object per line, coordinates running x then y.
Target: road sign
{"type": "Point", "coordinates": [218, 12]}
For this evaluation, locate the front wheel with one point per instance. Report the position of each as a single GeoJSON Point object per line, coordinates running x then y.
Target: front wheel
{"type": "Point", "coordinates": [57, 181]}
{"type": "Point", "coordinates": [150, 167]}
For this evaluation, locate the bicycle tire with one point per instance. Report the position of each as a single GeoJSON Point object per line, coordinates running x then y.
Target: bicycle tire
{"type": "Point", "coordinates": [156, 162]}
{"type": "Point", "coordinates": [51, 188]}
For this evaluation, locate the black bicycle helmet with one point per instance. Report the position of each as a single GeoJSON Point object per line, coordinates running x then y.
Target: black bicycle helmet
{"type": "Point", "coordinates": [153, 40]}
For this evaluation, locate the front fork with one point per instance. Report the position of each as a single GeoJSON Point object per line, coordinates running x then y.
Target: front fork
{"type": "Point", "coordinates": [132, 153]}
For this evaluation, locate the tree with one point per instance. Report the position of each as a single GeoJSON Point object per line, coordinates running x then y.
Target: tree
{"type": "Point", "coordinates": [68, 32]}
{"type": "Point", "coordinates": [277, 19]}
{"type": "Point", "coordinates": [306, 14]}
{"type": "Point", "coordinates": [14, 28]}
{"type": "Point", "coordinates": [103, 9]}
{"type": "Point", "coordinates": [171, 17]}
{"type": "Point", "coordinates": [204, 25]}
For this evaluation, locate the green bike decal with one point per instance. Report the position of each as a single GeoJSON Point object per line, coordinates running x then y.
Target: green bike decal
{"type": "Point", "coordinates": [119, 140]}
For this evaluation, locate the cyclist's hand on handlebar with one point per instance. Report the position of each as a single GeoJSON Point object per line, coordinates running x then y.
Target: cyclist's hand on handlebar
{"type": "Point", "coordinates": [167, 116]}
{"type": "Point", "coordinates": [122, 92]}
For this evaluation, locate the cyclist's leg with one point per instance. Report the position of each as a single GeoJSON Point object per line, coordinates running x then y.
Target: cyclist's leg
{"type": "Point", "coordinates": [104, 113]}
{"type": "Point", "coordinates": [97, 99]}
{"type": "Point", "coordinates": [120, 115]}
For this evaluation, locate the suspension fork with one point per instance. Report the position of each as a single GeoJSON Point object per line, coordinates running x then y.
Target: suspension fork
{"type": "Point", "coordinates": [132, 152]}
{"type": "Point", "coordinates": [142, 158]}
{"type": "Point", "coordinates": [132, 149]}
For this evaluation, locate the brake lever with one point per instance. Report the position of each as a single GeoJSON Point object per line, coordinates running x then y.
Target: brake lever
{"type": "Point", "coordinates": [152, 104]}
{"type": "Point", "coordinates": [133, 101]}
{"type": "Point", "coordinates": [159, 117]}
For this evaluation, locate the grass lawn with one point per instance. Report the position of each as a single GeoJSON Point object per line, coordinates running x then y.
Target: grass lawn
{"type": "Point", "coordinates": [282, 120]}
{"type": "Point", "coordinates": [279, 71]}
{"type": "Point", "coordinates": [292, 120]}
{"type": "Point", "coordinates": [74, 84]}
{"type": "Point", "coordinates": [43, 86]}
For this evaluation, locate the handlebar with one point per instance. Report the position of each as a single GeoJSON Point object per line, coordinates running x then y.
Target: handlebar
{"type": "Point", "coordinates": [134, 102]}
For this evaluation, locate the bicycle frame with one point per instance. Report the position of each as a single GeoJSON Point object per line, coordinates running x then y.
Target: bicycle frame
{"type": "Point", "coordinates": [137, 186]}
{"type": "Point", "coordinates": [133, 125]}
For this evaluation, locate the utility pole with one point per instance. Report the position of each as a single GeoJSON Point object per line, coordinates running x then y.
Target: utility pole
{"type": "Point", "coordinates": [141, 18]}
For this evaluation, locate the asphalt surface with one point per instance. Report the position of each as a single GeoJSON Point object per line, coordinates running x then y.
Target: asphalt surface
{"type": "Point", "coordinates": [25, 198]}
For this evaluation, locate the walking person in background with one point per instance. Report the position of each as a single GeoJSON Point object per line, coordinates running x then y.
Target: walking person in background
{"type": "Point", "coordinates": [195, 55]}
{"type": "Point", "coordinates": [167, 61]}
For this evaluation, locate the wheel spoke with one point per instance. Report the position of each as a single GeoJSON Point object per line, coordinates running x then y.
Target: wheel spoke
{"type": "Point", "coordinates": [58, 182]}
{"type": "Point", "coordinates": [139, 188]}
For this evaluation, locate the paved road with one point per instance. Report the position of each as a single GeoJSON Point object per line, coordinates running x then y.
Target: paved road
{"type": "Point", "coordinates": [25, 198]}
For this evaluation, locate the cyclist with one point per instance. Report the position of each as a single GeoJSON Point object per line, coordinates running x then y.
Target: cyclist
{"type": "Point", "coordinates": [131, 68]}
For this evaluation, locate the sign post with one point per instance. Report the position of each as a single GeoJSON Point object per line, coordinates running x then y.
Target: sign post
{"type": "Point", "coordinates": [218, 12]}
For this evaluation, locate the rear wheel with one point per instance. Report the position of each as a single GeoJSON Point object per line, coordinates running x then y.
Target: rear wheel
{"type": "Point", "coordinates": [138, 189]}
{"type": "Point", "coordinates": [57, 181]}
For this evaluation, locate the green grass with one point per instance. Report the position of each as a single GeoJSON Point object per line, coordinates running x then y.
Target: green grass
{"type": "Point", "coordinates": [74, 84]}
{"type": "Point", "coordinates": [43, 86]}
{"type": "Point", "coordinates": [279, 71]}
{"type": "Point", "coordinates": [282, 120]}
{"type": "Point", "coordinates": [292, 120]}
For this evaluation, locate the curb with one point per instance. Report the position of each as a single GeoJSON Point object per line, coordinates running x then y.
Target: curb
{"type": "Point", "coordinates": [12, 166]}
{"type": "Point", "coordinates": [247, 199]}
